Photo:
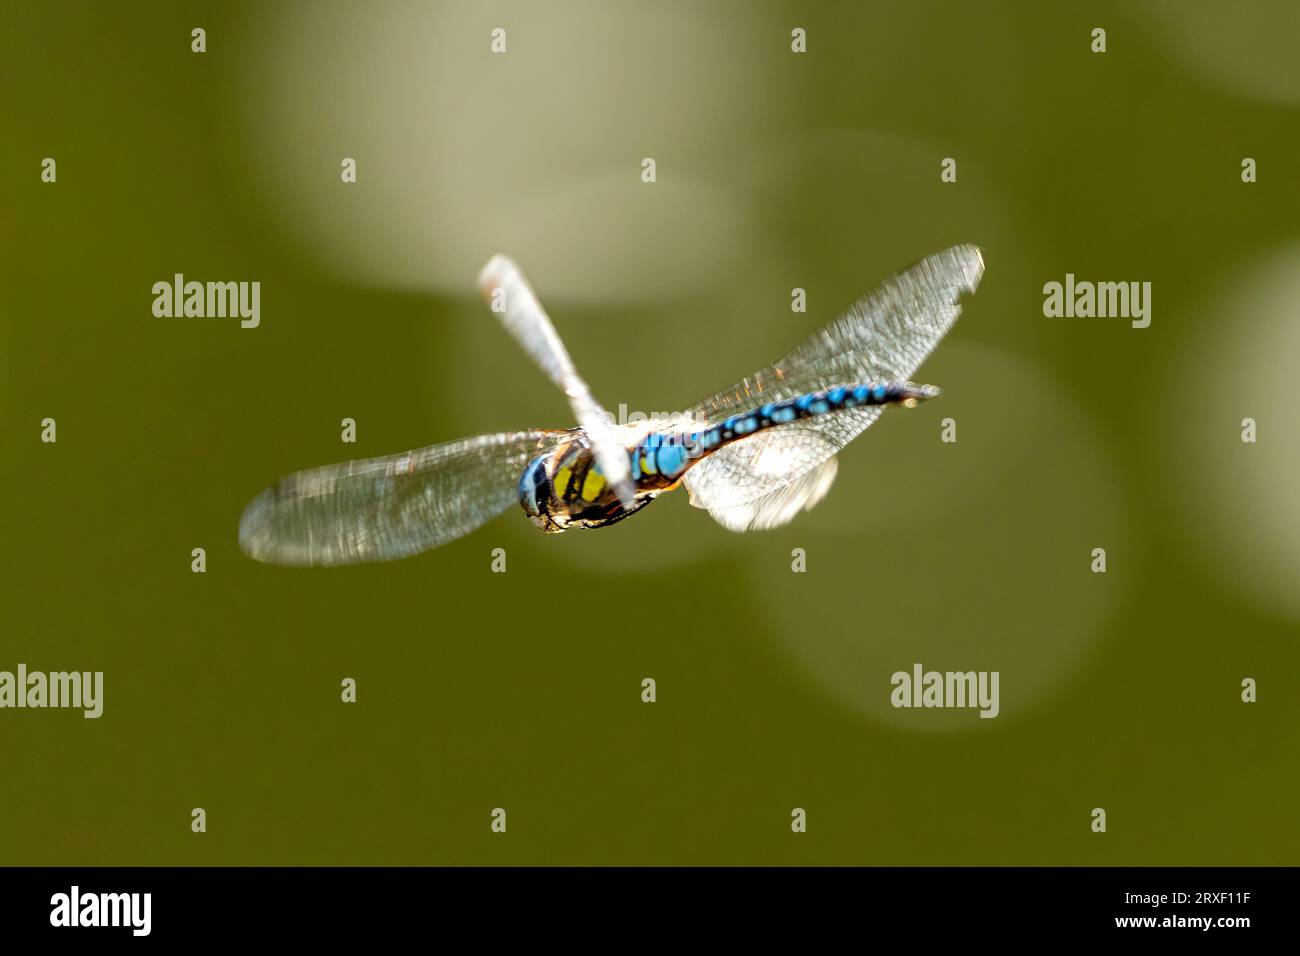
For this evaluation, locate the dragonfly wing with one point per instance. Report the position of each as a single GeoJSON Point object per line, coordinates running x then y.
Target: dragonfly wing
{"type": "Point", "coordinates": [743, 475]}
{"type": "Point", "coordinates": [511, 297]}
{"type": "Point", "coordinates": [780, 505]}
{"type": "Point", "coordinates": [379, 509]}
{"type": "Point", "coordinates": [885, 336]}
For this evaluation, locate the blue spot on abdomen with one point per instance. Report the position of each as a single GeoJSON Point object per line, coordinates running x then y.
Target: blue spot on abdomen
{"type": "Point", "coordinates": [672, 460]}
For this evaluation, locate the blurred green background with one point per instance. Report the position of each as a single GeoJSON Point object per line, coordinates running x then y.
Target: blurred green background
{"type": "Point", "coordinates": [774, 171]}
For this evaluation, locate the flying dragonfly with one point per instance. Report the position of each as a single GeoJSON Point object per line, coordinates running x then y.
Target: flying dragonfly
{"type": "Point", "coordinates": [753, 456]}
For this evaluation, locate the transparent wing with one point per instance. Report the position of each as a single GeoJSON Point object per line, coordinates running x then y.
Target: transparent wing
{"type": "Point", "coordinates": [513, 300]}
{"type": "Point", "coordinates": [751, 470]}
{"type": "Point", "coordinates": [780, 506]}
{"type": "Point", "coordinates": [885, 336]}
{"type": "Point", "coordinates": [379, 509]}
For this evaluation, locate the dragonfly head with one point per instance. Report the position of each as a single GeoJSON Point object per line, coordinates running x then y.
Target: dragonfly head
{"type": "Point", "coordinates": [535, 495]}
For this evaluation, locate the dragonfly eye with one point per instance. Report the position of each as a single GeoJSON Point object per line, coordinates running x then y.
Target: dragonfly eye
{"type": "Point", "coordinates": [532, 487]}
{"type": "Point", "coordinates": [535, 497]}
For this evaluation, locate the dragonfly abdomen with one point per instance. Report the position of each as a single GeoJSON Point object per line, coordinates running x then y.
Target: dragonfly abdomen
{"type": "Point", "coordinates": [662, 459]}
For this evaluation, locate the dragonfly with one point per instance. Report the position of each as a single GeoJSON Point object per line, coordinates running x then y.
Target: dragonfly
{"type": "Point", "coordinates": [753, 456]}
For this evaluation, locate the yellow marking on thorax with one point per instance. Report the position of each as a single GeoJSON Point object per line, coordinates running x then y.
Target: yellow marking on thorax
{"type": "Point", "coordinates": [592, 486]}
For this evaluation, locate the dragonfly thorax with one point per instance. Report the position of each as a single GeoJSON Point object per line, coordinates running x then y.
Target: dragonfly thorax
{"type": "Point", "coordinates": [566, 489]}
